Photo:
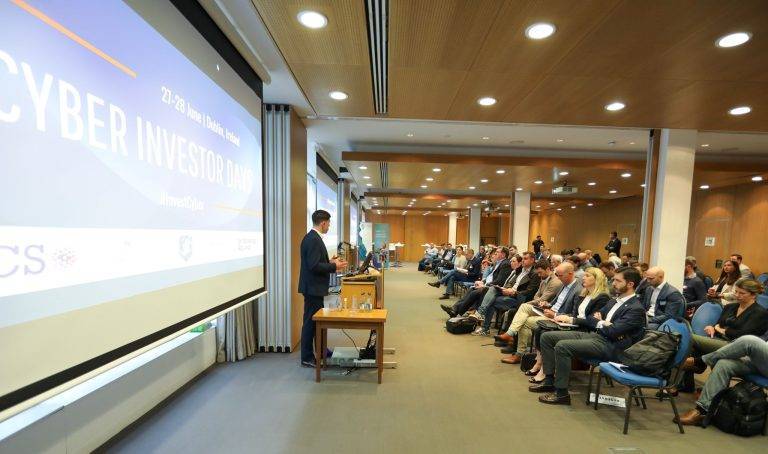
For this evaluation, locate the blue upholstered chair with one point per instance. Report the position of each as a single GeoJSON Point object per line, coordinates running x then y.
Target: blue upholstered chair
{"type": "Point", "coordinates": [636, 382]}
{"type": "Point", "coordinates": [763, 278]}
{"type": "Point", "coordinates": [763, 300]}
{"type": "Point", "coordinates": [706, 315]}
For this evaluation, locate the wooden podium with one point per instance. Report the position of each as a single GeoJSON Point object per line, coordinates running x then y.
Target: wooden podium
{"type": "Point", "coordinates": [363, 285]}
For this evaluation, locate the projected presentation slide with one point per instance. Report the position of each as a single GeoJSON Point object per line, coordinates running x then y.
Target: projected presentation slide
{"type": "Point", "coordinates": [124, 167]}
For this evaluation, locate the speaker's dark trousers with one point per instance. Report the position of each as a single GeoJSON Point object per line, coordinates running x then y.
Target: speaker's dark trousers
{"type": "Point", "coordinates": [312, 304]}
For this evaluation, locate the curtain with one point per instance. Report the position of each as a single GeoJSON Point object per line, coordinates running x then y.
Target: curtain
{"type": "Point", "coordinates": [236, 333]}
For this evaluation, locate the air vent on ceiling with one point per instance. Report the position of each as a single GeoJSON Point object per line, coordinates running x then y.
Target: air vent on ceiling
{"type": "Point", "coordinates": [377, 13]}
{"type": "Point", "coordinates": [384, 173]}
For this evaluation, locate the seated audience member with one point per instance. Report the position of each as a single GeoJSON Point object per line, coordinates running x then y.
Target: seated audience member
{"type": "Point", "coordinates": [742, 318]}
{"type": "Point", "coordinates": [626, 258]}
{"type": "Point", "coordinates": [590, 258]}
{"type": "Point", "coordinates": [429, 254]}
{"type": "Point", "coordinates": [694, 290]}
{"type": "Point", "coordinates": [472, 299]}
{"type": "Point", "coordinates": [446, 261]}
{"type": "Point", "coordinates": [524, 321]}
{"type": "Point", "coordinates": [617, 326]}
{"type": "Point", "coordinates": [577, 268]}
{"type": "Point", "coordinates": [699, 273]}
{"type": "Point", "coordinates": [744, 356]}
{"type": "Point", "coordinates": [499, 271]}
{"type": "Point", "coordinates": [576, 250]}
{"type": "Point", "coordinates": [609, 269]}
{"type": "Point", "coordinates": [537, 245]}
{"type": "Point", "coordinates": [642, 268]}
{"type": "Point", "coordinates": [555, 260]}
{"type": "Point", "coordinates": [596, 257]}
{"type": "Point", "coordinates": [723, 291]}
{"type": "Point", "coordinates": [662, 301]}
{"type": "Point", "coordinates": [446, 254]}
{"type": "Point", "coordinates": [511, 295]}
{"type": "Point", "coordinates": [743, 269]}
{"type": "Point", "coordinates": [470, 274]}
{"type": "Point", "coordinates": [460, 260]}
{"type": "Point", "coordinates": [583, 260]}
{"type": "Point", "coordinates": [615, 259]}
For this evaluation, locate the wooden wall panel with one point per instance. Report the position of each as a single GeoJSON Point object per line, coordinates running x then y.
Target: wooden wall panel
{"type": "Point", "coordinates": [462, 230]}
{"type": "Point", "coordinates": [413, 231]}
{"type": "Point", "coordinates": [298, 218]}
{"type": "Point", "coordinates": [489, 230]}
{"type": "Point", "coordinates": [504, 239]}
{"type": "Point", "coordinates": [735, 216]}
{"type": "Point", "coordinates": [589, 227]}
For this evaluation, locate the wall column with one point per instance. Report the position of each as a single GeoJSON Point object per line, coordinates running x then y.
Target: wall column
{"type": "Point", "coordinates": [343, 200]}
{"type": "Point", "coordinates": [452, 228]}
{"type": "Point", "coordinates": [474, 228]}
{"type": "Point", "coordinates": [672, 204]}
{"type": "Point", "coordinates": [521, 219]}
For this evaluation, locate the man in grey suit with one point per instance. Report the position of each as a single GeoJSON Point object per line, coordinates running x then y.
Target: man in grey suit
{"type": "Point", "coordinates": [661, 300]}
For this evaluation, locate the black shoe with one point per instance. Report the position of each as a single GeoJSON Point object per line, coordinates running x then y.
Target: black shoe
{"type": "Point", "coordinates": [434, 284]}
{"type": "Point", "coordinates": [499, 343]}
{"type": "Point", "coordinates": [507, 350]}
{"type": "Point", "coordinates": [448, 310]}
{"type": "Point", "coordinates": [311, 364]}
{"type": "Point", "coordinates": [554, 399]}
{"type": "Point", "coordinates": [444, 297]}
{"type": "Point", "coordinates": [541, 388]}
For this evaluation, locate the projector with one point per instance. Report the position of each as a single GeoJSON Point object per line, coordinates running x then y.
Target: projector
{"type": "Point", "coordinates": [566, 190]}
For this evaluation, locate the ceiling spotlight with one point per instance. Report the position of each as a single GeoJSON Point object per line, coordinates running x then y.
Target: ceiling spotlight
{"type": "Point", "coordinates": [430, 179]}
{"type": "Point", "coordinates": [538, 182]}
{"type": "Point", "coordinates": [366, 177]}
{"type": "Point", "coordinates": [705, 145]}
{"type": "Point", "coordinates": [501, 171]}
{"type": "Point", "coordinates": [559, 209]}
{"type": "Point", "coordinates": [590, 204]}
{"type": "Point", "coordinates": [591, 183]}
{"type": "Point", "coordinates": [563, 173]}
{"type": "Point", "coordinates": [363, 167]}
{"type": "Point", "coordinates": [378, 212]}
{"type": "Point", "coordinates": [312, 19]}
{"type": "Point", "coordinates": [506, 206]}
{"type": "Point", "coordinates": [573, 207]}
{"type": "Point", "coordinates": [561, 140]}
{"type": "Point", "coordinates": [704, 186]}
{"type": "Point", "coordinates": [551, 203]}
{"type": "Point", "coordinates": [413, 200]}
{"type": "Point", "coordinates": [614, 106]}
{"type": "Point", "coordinates": [631, 143]}
{"type": "Point", "coordinates": [538, 206]}
{"type": "Point", "coordinates": [437, 169]}
{"type": "Point", "coordinates": [471, 187]}
{"type": "Point", "coordinates": [733, 39]}
{"type": "Point", "coordinates": [484, 180]}
{"type": "Point", "coordinates": [449, 200]}
{"type": "Point", "coordinates": [423, 186]}
{"type": "Point", "coordinates": [368, 184]}
{"type": "Point", "coordinates": [410, 134]}
{"type": "Point", "coordinates": [612, 191]}
{"type": "Point", "coordinates": [757, 178]}
{"type": "Point", "coordinates": [405, 211]}
{"type": "Point", "coordinates": [540, 30]}
{"type": "Point", "coordinates": [518, 189]}
{"type": "Point", "coordinates": [642, 185]}
{"type": "Point", "coordinates": [338, 95]}
{"type": "Point", "coordinates": [741, 110]}
{"type": "Point", "coordinates": [485, 138]}
{"type": "Point", "coordinates": [626, 175]}
{"type": "Point", "coordinates": [486, 101]}
{"type": "Point", "coordinates": [474, 204]}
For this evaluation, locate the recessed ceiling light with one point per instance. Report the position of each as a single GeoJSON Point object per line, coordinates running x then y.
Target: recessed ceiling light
{"type": "Point", "coordinates": [363, 167]}
{"type": "Point", "coordinates": [591, 183]}
{"type": "Point", "coordinates": [378, 212]}
{"type": "Point", "coordinates": [563, 173]}
{"type": "Point", "coordinates": [733, 39]}
{"type": "Point", "coordinates": [506, 206]}
{"type": "Point", "coordinates": [486, 101]}
{"type": "Point", "coordinates": [485, 138]}
{"type": "Point", "coordinates": [538, 206]}
{"type": "Point", "coordinates": [366, 177]}
{"type": "Point", "coordinates": [518, 189]}
{"type": "Point", "coordinates": [484, 180]}
{"type": "Point", "coordinates": [538, 182]}
{"type": "Point", "coordinates": [430, 179]}
{"type": "Point", "coordinates": [561, 140]}
{"type": "Point", "coordinates": [551, 203]}
{"type": "Point", "coordinates": [573, 207]}
{"type": "Point", "coordinates": [338, 95]}
{"type": "Point", "coordinates": [614, 106]}
{"type": "Point", "coordinates": [631, 143]}
{"type": "Point", "coordinates": [501, 171]}
{"type": "Point", "coordinates": [449, 200]}
{"type": "Point", "coordinates": [474, 204]}
{"type": "Point", "coordinates": [368, 184]}
{"type": "Point", "coordinates": [642, 185]}
{"type": "Point", "coordinates": [559, 209]}
{"type": "Point", "coordinates": [626, 175]}
{"type": "Point", "coordinates": [312, 19]}
{"type": "Point", "coordinates": [590, 204]}
{"type": "Point", "coordinates": [757, 178]}
{"type": "Point", "coordinates": [705, 145]}
{"type": "Point", "coordinates": [423, 186]}
{"type": "Point", "coordinates": [740, 110]}
{"type": "Point", "coordinates": [540, 30]}
{"type": "Point", "coordinates": [612, 191]}
{"type": "Point", "coordinates": [471, 187]}
{"type": "Point", "coordinates": [704, 186]}
{"type": "Point", "coordinates": [437, 169]}
{"type": "Point", "coordinates": [410, 134]}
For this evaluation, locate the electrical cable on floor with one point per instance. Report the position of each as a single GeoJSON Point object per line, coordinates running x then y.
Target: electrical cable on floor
{"type": "Point", "coordinates": [353, 368]}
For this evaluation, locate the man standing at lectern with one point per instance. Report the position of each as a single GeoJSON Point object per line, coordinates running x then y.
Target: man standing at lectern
{"type": "Point", "coordinates": [314, 279]}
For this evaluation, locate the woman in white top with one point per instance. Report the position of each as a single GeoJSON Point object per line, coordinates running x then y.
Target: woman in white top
{"type": "Point", "coordinates": [460, 261]}
{"type": "Point", "coordinates": [724, 290]}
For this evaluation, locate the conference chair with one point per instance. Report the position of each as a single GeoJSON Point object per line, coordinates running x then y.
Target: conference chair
{"type": "Point", "coordinates": [763, 301]}
{"type": "Point", "coordinates": [636, 382]}
{"type": "Point", "coordinates": [763, 279]}
{"type": "Point", "coordinates": [708, 282]}
{"type": "Point", "coordinates": [706, 315]}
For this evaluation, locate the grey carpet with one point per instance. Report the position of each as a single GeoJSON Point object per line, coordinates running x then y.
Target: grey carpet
{"type": "Point", "coordinates": [449, 394]}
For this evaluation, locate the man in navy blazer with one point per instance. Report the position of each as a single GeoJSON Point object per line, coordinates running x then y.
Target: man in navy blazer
{"type": "Point", "coordinates": [661, 300]}
{"type": "Point", "coordinates": [314, 279]}
{"type": "Point", "coordinates": [619, 324]}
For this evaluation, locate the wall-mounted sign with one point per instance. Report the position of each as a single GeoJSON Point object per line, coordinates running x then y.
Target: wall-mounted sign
{"type": "Point", "coordinates": [709, 241]}
{"type": "Point", "coordinates": [551, 239]}
{"type": "Point", "coordinates": [625, 241]}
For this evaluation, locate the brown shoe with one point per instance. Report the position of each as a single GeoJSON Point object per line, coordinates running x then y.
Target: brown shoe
{"type": "Point", "coordinates": [691, 418]}
{"type": "Point", "coordinates": [504, 338]}
{"type": "Point", "coordinates": [689, 364]}
{"type": "Point", "coordinates": [511, 359]}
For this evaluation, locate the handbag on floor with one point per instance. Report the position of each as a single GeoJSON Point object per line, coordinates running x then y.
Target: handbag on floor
{"type": "Point", "coordinates": [739, 410]}
{"type": "Point", "coordinates": [461, 325]}
{"type": "Point", "coordinates": [527, 361]}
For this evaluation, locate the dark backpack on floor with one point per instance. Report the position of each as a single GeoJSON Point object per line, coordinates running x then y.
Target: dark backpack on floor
{"type": "Point", "coordinates": [460, 325]}
{"type": "Point", "coordinates": [653, 354]}
{"type": "Point", "coordinates": [739, 410]}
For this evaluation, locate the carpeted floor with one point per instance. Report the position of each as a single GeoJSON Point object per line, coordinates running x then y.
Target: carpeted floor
{"type": "Point", "coordinates": [449, 394]}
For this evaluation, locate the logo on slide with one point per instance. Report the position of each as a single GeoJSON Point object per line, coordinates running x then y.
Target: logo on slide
{"type": "Point", "coordinates": [64, 258]}
{"type": "Point", "coordinates": [185, 247]}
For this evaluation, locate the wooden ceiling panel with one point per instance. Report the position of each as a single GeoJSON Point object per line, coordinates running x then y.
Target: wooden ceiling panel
{"type": "Point", "coordinates": [319, 80]}
{"type": "Point", "coordinates": [478, 84]}
{"type": "Point", "coordinates": [418, 93]}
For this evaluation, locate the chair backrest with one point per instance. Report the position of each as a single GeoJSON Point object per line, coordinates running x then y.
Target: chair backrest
{"type": "Point", "coordinates": [763, 301]}
{"type": "Point", "coordinates": [706, 315]}
{"type": "Point", "coordinates": [708, 282]}
{"type": "Point", "coordinates": [763, 278]}
{"type": "Point", "coordinates": [681, 327]}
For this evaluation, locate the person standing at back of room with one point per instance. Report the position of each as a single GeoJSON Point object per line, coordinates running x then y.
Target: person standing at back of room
{"type": "Point", "coordinates": [614, 244]}
{"type": "Point", "coordinates": [314, 279]}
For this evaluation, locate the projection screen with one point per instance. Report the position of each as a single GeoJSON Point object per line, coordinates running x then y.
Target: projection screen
{"type": "Point", "coordinates": [131, 181]}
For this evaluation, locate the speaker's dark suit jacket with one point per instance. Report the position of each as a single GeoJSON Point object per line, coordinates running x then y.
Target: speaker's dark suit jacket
{"type": "Point", "coordinates": [316, 270]}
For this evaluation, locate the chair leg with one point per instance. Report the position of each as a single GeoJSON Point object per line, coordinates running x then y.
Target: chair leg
{"type": "Point", "coordinates": [597, 390]}
{"type": "Point", "coordinates": [589, 386]}
{"type": "Point", "coordinates": [677, 416]}
{"type": "Point", "coordinates": [642, 397]}
{"type": "Point", "coordinates": [609, 381]}
{"type": "Point", "coordinates": [628, 407]}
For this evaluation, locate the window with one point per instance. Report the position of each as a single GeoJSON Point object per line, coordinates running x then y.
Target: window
{"type": "Point", "coordinates": [327, 200]}
{"type": "Point", "coordinates": [353, 222]}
